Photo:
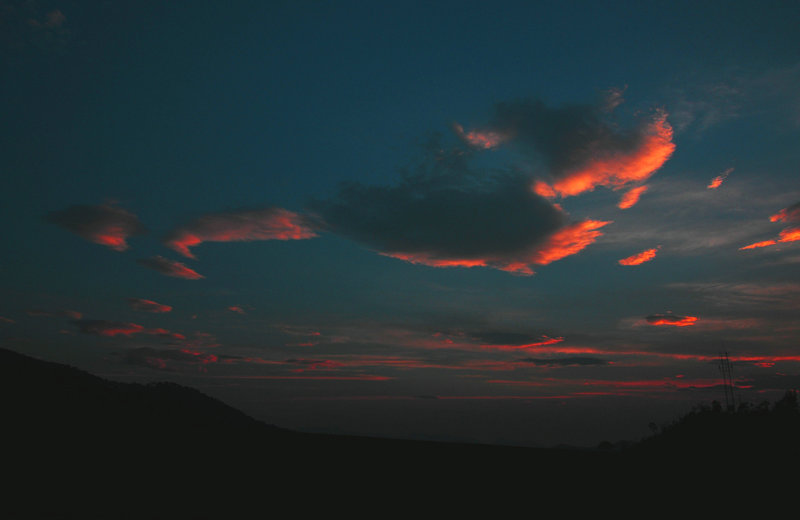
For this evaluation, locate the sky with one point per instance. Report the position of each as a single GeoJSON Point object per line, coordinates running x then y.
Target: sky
{"type": "Point", "coordinates": [529, 223]}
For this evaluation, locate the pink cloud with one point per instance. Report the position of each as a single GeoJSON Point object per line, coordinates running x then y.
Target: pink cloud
{"type": "Point", "coordinates": [138, 304]}
{"type": "Point", "coordinates": [170, 268]}
{"type": "Point", "coordinates": [107, 225]}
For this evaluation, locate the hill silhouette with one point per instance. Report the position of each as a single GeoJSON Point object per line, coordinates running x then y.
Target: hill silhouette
{"type": "Point", "coordinates": [77, 444]}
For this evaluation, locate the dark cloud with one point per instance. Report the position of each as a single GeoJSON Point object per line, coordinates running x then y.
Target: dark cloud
{"type": "Point", "coordinates": [138, 304]}
{"type": "Point", "coordinates": [169, 267]}
{"type": "Point", "coordinates": [106, 224]}
{"type": "Point", "coordinates": [241, 226]}
{"type": "Point", "coordinates": [75, 315]}
{"type": "Point", "coordinates": [446, 215]}
{"type": "Point", "coordinates": [25, 25]}
{"type": "Point", "coordinates": [565, 361]}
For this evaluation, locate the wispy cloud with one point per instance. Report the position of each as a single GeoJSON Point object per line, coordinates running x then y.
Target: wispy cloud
{"type": "Point", "coordinates": [640, 258]}
{"type": "Point", "coordinates": [717, 181]}
{"type": "Point", "coordinates": [671, 320]}
{"type": "Point", "coordinates": [241, 226]}
{"type": "Point", "coordinates": [631, 197]}
{"type": "Point", "coordinates": [169, 267]}
{"type": "Point", "coordinates": [139, 304]}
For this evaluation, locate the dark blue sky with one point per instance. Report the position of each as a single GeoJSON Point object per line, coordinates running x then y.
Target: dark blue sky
{"type": "Point", "coordinates": [407, 219]}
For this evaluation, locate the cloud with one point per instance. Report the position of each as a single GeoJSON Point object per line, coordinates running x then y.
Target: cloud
{"type": "Point", "coordinates": [671, 320]}
{"type": "Point", "coordinates": [106, 224]}
{"type": "Point", "coordinates": [485, 140]}
{"type": "Point", "coordinates": [512, 340]}
{"type": "Point", "coordinates": [139, 304]}
{"type": "Point", "coordinates": [447, 215]}
{"type": "Point", "coordinates": [581, 149]}
{"type": "Point", "coordinates": [164, 359]}
{"type": "Point", "coordinates": [236, 309]}
{"type": "Point", "coordinates": [108, 328]}
{"type": "Point", "coordinates": [631, 197]}
{"type": "Point", "coordinates": [242, 226]}
{"type": "Point", "coordinates": [790, 214]}
{"type": "Point", "coordinates": [640, 258]}
{"type": "Point", "coordinates": [717, 181]}
{"type": "Point", "coordinates": [565, 361]}
{"type": "Point", "coordinates": [791, 234]}
{"type": "Point", "coordinates": [75, 315]}
{"type": "Point", "coordinates": [169, 267]}
{"type": "Point", "coordinates": [117, 328]}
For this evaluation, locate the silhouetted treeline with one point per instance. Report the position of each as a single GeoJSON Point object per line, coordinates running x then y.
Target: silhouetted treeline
{"type": "Point", "coordinates": [749, 430]}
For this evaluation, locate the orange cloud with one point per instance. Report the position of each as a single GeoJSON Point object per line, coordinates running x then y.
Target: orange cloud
{"type": "Point", "coordinates": [790, 214]}
{"type": "Point", "coordinates": [618, 166]}
{"type": "Point", "coordinates": [639, 258]}
{"type": "Point", "coordinates": [717, 181]}
{"type": "Point", "coordinates": [568, 241]}
{"type": "Point", "coordinates": [787, 235]}
{"type": "Point", "coordinates": [631, 197]}
{"type": "Point", "coordinates": [264, 224]}
{"type": "Point", "coordinates": [671, 320]}
{"type": "Point", "coordinates": [756, 245]}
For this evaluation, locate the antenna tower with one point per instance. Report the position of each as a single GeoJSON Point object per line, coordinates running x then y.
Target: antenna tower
{"type": "Point", "coordinates": [727, 381]}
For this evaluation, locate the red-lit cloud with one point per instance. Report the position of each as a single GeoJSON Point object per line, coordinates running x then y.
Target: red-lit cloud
{"type": "Point", "coordinates": [138, 304]}
{"type": "Point", "coordinates": [164, 359]}
{"type": "Point", "coordinates": [108, 328]}
{"type": "Point", "coordinates": [631, 197]}
{"type": "Point", "coordinates": [542, 342]}
{"type": "Point", "coordinates": [236, 309]}
{"type": "Point", "coordinates": [169, 267]}
{"type": "Point", "coordinates": [567, 241]}
{"type": "Point", "coordinates": [671, 320]}
{"type": "Point", "coordinates": [116, 328]}
{"type": "Point", "coordinates": [717, 181]}
{"type": "Point", "coordinates": [640, 258]}
{"type": "Point", "coordinates": [106, 224]}
{"type": "Point", "coordinates": [243, 226]}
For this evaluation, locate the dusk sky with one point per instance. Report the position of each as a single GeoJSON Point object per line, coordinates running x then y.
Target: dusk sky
{"type": "Point", "coordinates": [505, 222]}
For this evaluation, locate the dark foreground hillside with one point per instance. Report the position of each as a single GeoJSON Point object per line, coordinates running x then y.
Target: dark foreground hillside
{"type": "Point", "coordinates": [79, 446]}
